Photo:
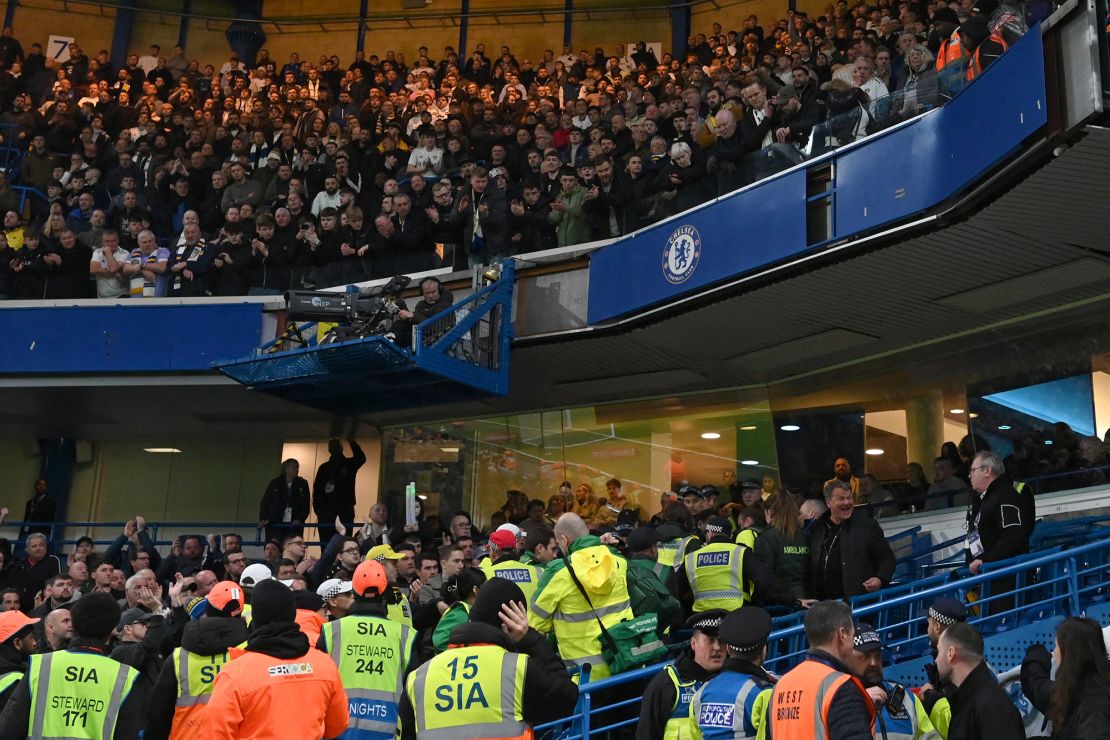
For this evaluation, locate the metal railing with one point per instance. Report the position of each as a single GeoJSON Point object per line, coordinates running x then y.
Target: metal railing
{"type": "Point", "coordinates": [1061, 582]}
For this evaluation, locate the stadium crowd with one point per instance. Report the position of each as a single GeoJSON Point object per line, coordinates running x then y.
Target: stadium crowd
{"type": "Point", "coordinates": [170, 176]}
{"type": "Point", "coordinates": [190, 642]}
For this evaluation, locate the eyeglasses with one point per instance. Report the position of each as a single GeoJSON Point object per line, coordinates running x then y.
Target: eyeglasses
{"type": "Point", "coordinates": [237, 561]}
{"type": "Point", "coordinates": [348, 550]}
{"type": "Point", "coordinates": [981, 467]}
{"type": "Point", "coordinates": [295, 542]}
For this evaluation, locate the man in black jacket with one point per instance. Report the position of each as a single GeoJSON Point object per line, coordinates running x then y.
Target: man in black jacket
{"type": "Point", "coordinates": [285, 502]}
{"type": "Point", "coordinates": [1000, 520]}
{"type": "Point", "coordinates": [848, 553]}
{"type": "Point", "coordinates": [483, 213]}
{"type": "Point", "coordinates": [980, 708]}
{"type": "Point", "coordinates": [40, 508]}
{"type": "Point", "coordinates": [499, 618]}
{"type": "Point", "coordinates": [141, 635]}
{"type": "Point", "coordinates": [333, 491]}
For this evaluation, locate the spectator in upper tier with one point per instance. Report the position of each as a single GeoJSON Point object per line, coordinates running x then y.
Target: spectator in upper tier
{"type": "Point", "coordinates": [1000, 518]}
{"type": "Point", "coordinates": [108, 265]}
{"type": "Point", "coordinates": [848, 553]}
{"type": "Point", "coordinates": [285, 502]}
{"type": "Point", "coordinates": [842, 470]}
{"type": "Point", "coordinates": [40, 509]}
{"type": "Point", "coordinates": [333, 491]}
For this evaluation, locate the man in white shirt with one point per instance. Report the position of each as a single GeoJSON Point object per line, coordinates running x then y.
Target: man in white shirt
{"type": "Point", "coordinates": [107, 266]}
{"type": "Point", "coordinates": [148, 62]}
{"type": "Point", "coordinates": [426, 159]}
{"type": "Point", "coordinates": [328, 197]}
{"type": "Point", "coordinates": [863, 77]}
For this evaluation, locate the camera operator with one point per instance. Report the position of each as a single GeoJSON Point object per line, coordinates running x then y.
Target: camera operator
{"type": "Point", "coordinates": [435, 299]}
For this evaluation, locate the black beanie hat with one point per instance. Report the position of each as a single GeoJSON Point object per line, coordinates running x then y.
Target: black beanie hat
{"type": "Point", "coordinates": [492, 594]}
{"type": "Point", "coordinates": [272, 601]}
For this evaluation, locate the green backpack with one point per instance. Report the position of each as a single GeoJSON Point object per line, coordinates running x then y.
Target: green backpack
{"type": "Point", "coordinates": [649, 594]}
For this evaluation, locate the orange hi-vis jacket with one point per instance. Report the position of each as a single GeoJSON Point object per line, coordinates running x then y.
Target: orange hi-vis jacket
{"type": "Point", "coordinates": [976, 67]}
{"type": "Point", "coordinates": [799, 707]}
{"type": "Point", "coordinates": [260, 697]}
{"type": "Point", "coordinates": [949, 51]}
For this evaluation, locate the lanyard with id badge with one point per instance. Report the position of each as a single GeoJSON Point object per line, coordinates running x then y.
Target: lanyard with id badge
{"type": "Point", "coordinates": [974, 544]}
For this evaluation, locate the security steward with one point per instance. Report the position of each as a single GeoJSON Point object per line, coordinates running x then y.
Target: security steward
{"type": "Point", "coordinates": [734, 703]}
{"type": "Point", "coordinates": [397, 604]}
{"type": "Point", "coordinates": [899, 715]}
{"type": "Point", "coordinates": [17, 644]}
{"type": "Point", "coordinates": [820, 697]}
{"type": "Point", "coordinates": [179, 700]}
{"type": "Point", "coordinates": [280, 686]}
{"type": "Point", "coordinates": [503, 563]}
{"type": "Point", "coordinates": [665, 709]}
{"type": "Point", "coordinates": [724, 575]}
{"type": "Point", "coordinates": [373, 655]}
{"type": "Point", "coordinates": [499, 678]}
{"type": "Point", "coordinates": [78, 692]}
{"type": "Point", "coordinates": [674, 529]}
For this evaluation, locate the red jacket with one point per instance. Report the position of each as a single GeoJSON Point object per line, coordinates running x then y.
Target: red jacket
{"type": "Point", "coordinates": [259, 697]}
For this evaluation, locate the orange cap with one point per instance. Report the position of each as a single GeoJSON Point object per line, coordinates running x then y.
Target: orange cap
{"type": "Point", "coordinates": [227, 597]}
{"type": "Point", "coordinates": [370, 576]}
{"type": "Point", "coordinates": [12, 622]}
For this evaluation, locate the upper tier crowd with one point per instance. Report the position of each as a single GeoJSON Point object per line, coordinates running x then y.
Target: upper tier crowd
{"type": "Point", "coordinates": [172, 177]}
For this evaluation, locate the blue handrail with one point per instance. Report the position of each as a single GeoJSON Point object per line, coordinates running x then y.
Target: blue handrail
{"type": "Point", "coordinates": [1073, 578]}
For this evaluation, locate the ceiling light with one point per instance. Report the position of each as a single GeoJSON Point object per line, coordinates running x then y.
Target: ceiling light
{"type": "Point", "coordinates": [873, 451]}
{"type": "Point", "coordinates": [748, 428]}
{"type": "Point", "coordinates": [749, 462]}
{"type": "Point", "coordinates": [163, 450]}
{"type": "Point", "coordinates": [422, 497]}
{"type": "Point", "coordinates": [448, 449]}
{"type": "Point", "coordinates": [1003, 427]}
{"type": "Point", "coordinates": [973, 415]}
{"type": "Point", "coordinates": [955, 411]}
{"type": "Point", "coordinates": [710, 435]}
{"type": "Point", "coordinates": [790, 427]}
{"type": "Point", "coordinates": [1048, 441]}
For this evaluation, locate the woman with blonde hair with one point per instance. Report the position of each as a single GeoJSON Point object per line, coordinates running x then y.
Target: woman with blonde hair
{"type": "Point", "coordinates": [585, 502]}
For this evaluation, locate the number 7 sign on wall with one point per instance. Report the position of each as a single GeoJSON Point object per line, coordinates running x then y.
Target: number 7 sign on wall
{"type": "Point", "coordinates": [59, 48]}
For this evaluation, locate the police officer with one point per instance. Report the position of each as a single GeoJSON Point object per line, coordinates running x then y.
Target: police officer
{"type": "Point", "coordinates": [820, 697]}
{"type": "Point", "coordinates": [503, 563]}
{"type": "Point", "coordinates": [397, 604]}
{"type": "Point", "coordinates": [734, 703]}
{"type": "Point", "coordinates": [17, 643]}
{"type": "Point", "coordinates": [943, 613]}
{"type": "Point", "coordinates": [899, 715]}
{"type": "Point", "coordinates": [665, 709]}
{"type": "Point", "coordinates": [373, 653]}
{"type": "Point", "coordinates": [499, 678]}
{"type": "Point", "coordinates": [79, 691]}
{"type": "Point", "coordinates": [179, 699]}
{"type": "Point", "coordinates": [724, 575]}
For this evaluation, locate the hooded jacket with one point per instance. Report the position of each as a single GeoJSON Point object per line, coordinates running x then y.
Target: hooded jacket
{"type": "Point", "coordinates": [11, 661]}
{"type": "Point", "coordinates": [209, 636]}
{"type": "Point", "coordinates": [558, 605]}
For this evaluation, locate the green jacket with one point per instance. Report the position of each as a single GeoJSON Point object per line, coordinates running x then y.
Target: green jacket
{"type": "Point", "coordinates": [458, 613]}
{"type": "Point", "coordinates": [572, 226]}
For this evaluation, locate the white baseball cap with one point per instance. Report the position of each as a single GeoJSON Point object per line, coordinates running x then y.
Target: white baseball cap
{"type": "Point", "coordinates": [332, 587]}
{"type": "Point", "coordinates": [255, 574]}
{"type": "Point", "coordinates": [511, 528]}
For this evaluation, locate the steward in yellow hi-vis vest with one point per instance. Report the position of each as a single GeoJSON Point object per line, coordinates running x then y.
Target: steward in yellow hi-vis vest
{"type": "Point", "coordinates": [177, 704]}
{"type": "Point", "coordinates": [665, 709]}
{"type": "Point", "coordinates": [498, 678]}
{"type": "Point", "coordinates": [373, 654]}
{"type": "Point", "coordinates": [724, 575]}
{"type": "Point", "coordinates": [77, 693]}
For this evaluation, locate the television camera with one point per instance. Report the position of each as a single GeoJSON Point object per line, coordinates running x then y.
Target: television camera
{"type": "Point", "coordinates": [358, 313]}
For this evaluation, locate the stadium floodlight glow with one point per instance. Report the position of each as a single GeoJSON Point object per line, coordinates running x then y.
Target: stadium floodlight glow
{"type": "Point", "coordinates": [163, 450]}
{"type": "Point", "coordinates": [790, 427]}
{"type": "Point", "coordinates": [710, 435]}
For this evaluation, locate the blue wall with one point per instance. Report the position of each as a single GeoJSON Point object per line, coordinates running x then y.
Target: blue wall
{"type": "Point", "coordinates": [107, 339]}
{"type": "Point", "coordinates": [893, 176]}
